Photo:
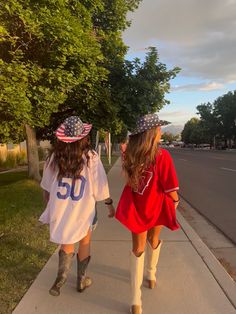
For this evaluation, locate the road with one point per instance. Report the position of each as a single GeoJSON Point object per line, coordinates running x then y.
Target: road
{"type": "Point", "coordinates": [208, 183]}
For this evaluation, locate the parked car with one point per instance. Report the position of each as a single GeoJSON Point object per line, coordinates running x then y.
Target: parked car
{"type": "Point", "coordinates": [205, 146]}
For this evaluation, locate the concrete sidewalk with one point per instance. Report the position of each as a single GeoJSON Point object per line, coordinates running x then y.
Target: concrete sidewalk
{"type": "Point", "coordinates": [190, 279]}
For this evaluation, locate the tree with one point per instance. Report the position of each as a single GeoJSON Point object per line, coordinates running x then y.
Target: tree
{"type": "Point", "coordinates": [169, 137]}
{"type": "Point", "coordinates": [140, 88]}
{"type": "Point", "coordinates": [218, 120]}
{"type": "Point", "coordinates": [193, 132]}
{"type": "Point", "coordinates": [197, 135]}
{"type": "Point", "coordinates": [225, 113]}
{"type": "Point", "coordinates": [208, 122]}
{"type": "Point", "coordinates": [99, 102]}
{"type": "Point", "coordinates": [48, 49]}
{"type": "Point", "coordinates": [67, 57]}
{"type": "Point", "coordinates": [131, 89]}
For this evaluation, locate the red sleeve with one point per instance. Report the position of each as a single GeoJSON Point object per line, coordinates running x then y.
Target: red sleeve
{"type": "Point", "coordinates": [167, 173]}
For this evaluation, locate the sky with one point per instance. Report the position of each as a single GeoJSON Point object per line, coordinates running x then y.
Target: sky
{"type": "Point", "coordinates": [199, 36]}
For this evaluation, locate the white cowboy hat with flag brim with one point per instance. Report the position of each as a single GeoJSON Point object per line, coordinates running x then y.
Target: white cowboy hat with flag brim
{"type": "Point", "coordinates": [72, 130]}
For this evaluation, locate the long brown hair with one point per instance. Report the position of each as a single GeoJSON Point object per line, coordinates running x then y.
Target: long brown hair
{"type": "Point", "coordinates": [68, 157]}
{"type": "Point", "coordinates": [140, 153]}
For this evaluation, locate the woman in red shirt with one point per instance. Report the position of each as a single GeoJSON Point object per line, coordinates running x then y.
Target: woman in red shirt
{"type": "Point", "coordinates": [148, 201]}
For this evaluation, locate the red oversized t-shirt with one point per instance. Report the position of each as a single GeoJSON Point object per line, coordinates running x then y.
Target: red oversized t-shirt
{"type": "Point", "coordinates": [150, 205]}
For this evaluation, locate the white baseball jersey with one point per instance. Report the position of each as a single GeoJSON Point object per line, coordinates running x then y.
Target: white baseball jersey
{"type": "Point", "coordinates": [71, 207]}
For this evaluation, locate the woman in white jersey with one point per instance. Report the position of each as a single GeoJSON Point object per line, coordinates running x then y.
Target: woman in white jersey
{"type": "Point", "coordinates": [73, 181]}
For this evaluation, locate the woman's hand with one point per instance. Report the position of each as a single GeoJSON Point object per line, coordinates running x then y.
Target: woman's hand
{"type": "Point", "coordinates": [175, 197]}
{"type": "Point", "coordinates": [176, 204]}
{"type": "Point", "coordinates": [111, 210]}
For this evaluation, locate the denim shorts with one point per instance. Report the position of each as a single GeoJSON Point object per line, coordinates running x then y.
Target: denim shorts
{"type": "Point", "coordinates": [95, 219]}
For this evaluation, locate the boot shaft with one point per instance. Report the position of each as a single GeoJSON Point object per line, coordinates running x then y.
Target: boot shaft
{"type": "Point", "coordinates": [136, 272]}
{"type": "Point", "coordinates": [152, 260]}
{"type": "Point", "coordinates": [83, 281]}
{"type": "Point", "coordinates": [82, 266]}
{"type": "Point", "coordinates": [64, 263]}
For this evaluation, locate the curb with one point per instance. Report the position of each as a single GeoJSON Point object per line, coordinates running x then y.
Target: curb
{"type": "Point", "coordinates": [224, 280]}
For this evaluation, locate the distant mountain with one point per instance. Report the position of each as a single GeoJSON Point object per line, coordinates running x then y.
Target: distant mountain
{"type": "Point", "coordinates": [174, 129]}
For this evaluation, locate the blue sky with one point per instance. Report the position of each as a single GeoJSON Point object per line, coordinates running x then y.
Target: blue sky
{"type": "Point", "coordinates": [197, 35]}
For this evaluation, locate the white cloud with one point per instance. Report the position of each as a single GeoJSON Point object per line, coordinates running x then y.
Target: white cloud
{"type": "Point", "coordinates": [198, 87]}
{"type": "Point", "coordinates": [172, 114]}
{"type": "Point", "coordinates": [175, 117]}
{"type": "Point", "coordinates": [197, 35]}
{"type": "Point", "coordinates": [212, 86]}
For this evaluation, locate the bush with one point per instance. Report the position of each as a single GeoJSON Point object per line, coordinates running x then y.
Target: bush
{"type": "Point", "coordinates": [10, 161]}
{"type": "Point", "coordinates": [1, 162]}
{"type": "Point", "coordinates": [13, 160]}
{"type": "Point", "coordinates": [21, 158]}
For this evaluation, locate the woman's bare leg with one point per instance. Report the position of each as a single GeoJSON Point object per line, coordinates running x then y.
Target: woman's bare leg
{"type": "Point", "coordinates": [139, 243]}
{"type": "Point", "coordinates": [68, 248]}
{"type": "Point", "coordinates": [84, 246]}
{"type": "Point", "coordinates": [153, 236]}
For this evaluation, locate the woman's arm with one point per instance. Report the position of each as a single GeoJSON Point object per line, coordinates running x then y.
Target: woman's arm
{"type": "Point", "coordinates": [175, 197]}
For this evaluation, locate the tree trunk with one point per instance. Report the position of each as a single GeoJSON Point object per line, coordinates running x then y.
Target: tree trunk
{"type": "Point", "coordinates": [226, 143]}
{"type": "Point", "coordinates": [32, 154]}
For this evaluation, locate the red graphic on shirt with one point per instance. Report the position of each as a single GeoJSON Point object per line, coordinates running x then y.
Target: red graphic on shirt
{"type": "Point", "coordinates": [144, 182]}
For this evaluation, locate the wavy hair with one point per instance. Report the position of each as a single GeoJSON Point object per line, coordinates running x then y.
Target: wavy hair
{"type": "Point", "coordinates": [140, 153]}
{"type": "Point", "coordinates": [68, 157]}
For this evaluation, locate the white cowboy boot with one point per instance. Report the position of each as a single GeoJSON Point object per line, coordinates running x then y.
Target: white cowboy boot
{"type": "Point", "coordinates": [136, 272]}
{"type": "Point", "coordinates": [152, 260]}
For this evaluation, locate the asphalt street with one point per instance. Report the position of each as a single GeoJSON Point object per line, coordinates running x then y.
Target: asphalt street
{"type": "Point", "coordinates": [208, 183]}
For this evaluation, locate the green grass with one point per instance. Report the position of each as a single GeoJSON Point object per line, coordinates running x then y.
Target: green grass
{"type": "Point", "coordinates": [24, 242]}
{"type": "Point", "coordinates": [106, 164]}
{"type": "Point", "coordinates": [12, 177]}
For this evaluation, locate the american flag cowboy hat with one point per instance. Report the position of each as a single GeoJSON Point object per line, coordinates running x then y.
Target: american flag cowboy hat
{"type": "Point", "coordinates": [72, 130]}
{"type": "Point", "coordinates": [148, 122]}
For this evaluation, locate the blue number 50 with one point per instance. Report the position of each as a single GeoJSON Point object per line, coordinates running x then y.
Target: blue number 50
{"type": "Point", "coordinates": [70, 189]}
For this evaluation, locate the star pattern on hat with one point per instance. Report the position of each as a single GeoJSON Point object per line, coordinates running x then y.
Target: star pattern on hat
{"type": "Point", "coordinates": [148, 122]}
{"type": "Point", "coordinates": [73, 126]}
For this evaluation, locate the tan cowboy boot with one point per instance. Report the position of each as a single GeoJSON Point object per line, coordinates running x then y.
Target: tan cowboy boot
{"type": "Point", "coordinates": [65, 261]}
{"type": "Point", "coordinates": [136, 271]}
{"type": "Point", "coordinates": [152, 260]}
{"type": "Point", "coordinates": [83, 281]}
